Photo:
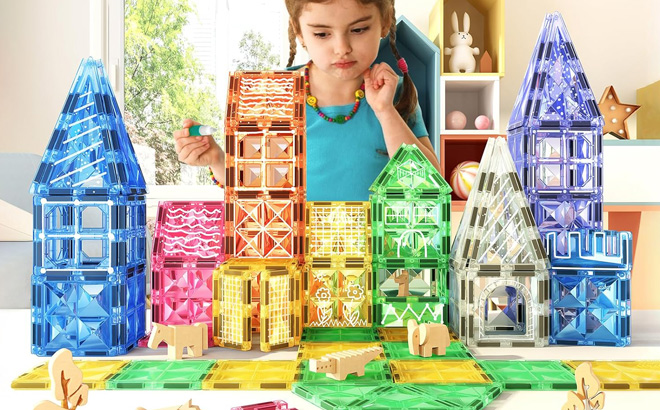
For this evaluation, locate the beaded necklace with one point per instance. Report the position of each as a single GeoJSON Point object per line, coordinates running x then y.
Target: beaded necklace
{"type": "Point", "coordinates": [340, 119]}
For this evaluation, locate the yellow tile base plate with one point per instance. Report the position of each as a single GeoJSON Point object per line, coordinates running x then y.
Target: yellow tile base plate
{"type": "Point", "coordinates": [251, 375]}
{"type": "Point", "coordinates": [625, 375]}
{"type": "Point", "coordinates": [95, 374]}
{"type": "Point", "coordinates": [437, 371]}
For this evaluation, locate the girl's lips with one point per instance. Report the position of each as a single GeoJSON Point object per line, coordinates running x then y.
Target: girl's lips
{"type": "Point", "coordinates": [345, 65]}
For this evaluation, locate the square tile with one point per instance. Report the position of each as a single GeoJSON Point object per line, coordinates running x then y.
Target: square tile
{"type": "Point", "coordinates": [437, 371]}
{"type": "Point", "coordinates": [530, 375]}
{"type": "Point", "coordinates": [161, 375]}
{"type": "Point", "coordinates": [251, 375]}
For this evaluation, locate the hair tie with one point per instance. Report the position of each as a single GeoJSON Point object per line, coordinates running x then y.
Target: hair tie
{"type": "Point", "coordinates": [402, 65]}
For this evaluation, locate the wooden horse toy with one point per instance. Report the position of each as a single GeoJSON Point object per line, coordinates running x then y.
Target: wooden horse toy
{"type": "Point", "coordinates": [194, 337]}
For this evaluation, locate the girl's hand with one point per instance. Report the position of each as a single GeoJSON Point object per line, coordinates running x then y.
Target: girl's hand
{"type": "Point", "coordinates": [380, 83]}
{"type": "Point", "coordinates": [198, 151]}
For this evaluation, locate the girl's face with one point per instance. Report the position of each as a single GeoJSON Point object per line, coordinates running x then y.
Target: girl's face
{"type": "Point", "coordinates": [341, 36]}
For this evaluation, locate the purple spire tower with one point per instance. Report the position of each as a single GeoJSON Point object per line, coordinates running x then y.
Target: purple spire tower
{"type": "Point", "coordinates": [555, 137]}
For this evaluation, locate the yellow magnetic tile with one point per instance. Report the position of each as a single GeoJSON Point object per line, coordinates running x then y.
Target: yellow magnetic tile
{"type": "Point", "coordinates": [251, 375]}
{"type": "Point", "coordinates": [437, 371]}
{"type": "Point", "coordinates": [625, 375]}
{"type": "Point", "coordinates": [400, 334]}
{"type": "Point", "coordinates": [309, 350]}
{"type": "Point", "coordinates": [95, 374]}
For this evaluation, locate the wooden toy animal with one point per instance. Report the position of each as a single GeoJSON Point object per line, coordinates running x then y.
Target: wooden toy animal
{"type": "Point", "coordinates": [427, 338]}
{"type": "Point", "coordinates": [194, 337]}
{"type": "Point", "coordinates": [404, 285]}
{"type": "Point", "coordinates": [340, 364]}
{"type": "Point", "coordinates": [185, 406]}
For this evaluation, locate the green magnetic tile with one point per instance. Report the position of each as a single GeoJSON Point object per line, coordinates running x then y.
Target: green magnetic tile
{"type": "Point", "coordinates": [159, 375]}
{"type": "Point", "coordinates": [350, 396]}
{"type": "Point", "coordinates": [463, 396]}
{"type": "Point", "coordinates": [530, 375]}
{"type": "Point", "coordinates": [399, 351]}
{"type": "Point", "coordinates": [354, 334]}
{"type": "Point", "coordinates": [375, 372]}
{"type": "Point", "coordinates": [625, 375]}
{"type": "Point", "coordinates": [95, 374]}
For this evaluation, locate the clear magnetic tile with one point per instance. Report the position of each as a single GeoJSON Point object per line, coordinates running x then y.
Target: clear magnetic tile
{"type": "Point", "coordinates": [437, 371]}
{"type": "Point", "coordinates": [251, 375]}
{"type": "Point", "coordinates": [161, 375]}
{"type": "Point", "coordinates": [95, 374]}
{"type": "Point", "coordinates": [529, 375]}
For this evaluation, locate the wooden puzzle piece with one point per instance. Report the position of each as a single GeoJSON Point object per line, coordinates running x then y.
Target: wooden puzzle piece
{"type": "Point", "coordinates": [340, 364]}
{"type": "Point", "coordinates": [404, 284]}
{"type": "Point", "coordinates": [427, 338]}
{"type": "Point", "coordinates": [193, 337]}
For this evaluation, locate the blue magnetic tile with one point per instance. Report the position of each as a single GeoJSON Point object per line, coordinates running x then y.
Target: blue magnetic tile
{"type": "Point", "coordinates": [591, 249]}
{"type": "Point", "coordinates": [82, 153]}
{"type": "Point", "coordinates": [91, 316]}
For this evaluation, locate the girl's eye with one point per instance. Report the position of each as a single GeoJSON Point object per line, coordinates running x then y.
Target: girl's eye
{"type": "Point", "coordinates": [360, 30]}
{"type": "Point", "coordinates": [321, 35]}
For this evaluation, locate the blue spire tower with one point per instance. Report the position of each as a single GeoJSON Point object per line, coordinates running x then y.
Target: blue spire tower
{"type": "Point", "coordinates": [88, 280]}
{"type": "Point", "coordinates": [555, 137]}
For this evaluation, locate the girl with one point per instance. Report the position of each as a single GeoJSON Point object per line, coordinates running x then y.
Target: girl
{"type": "Point", "coordinates": [349, 140]}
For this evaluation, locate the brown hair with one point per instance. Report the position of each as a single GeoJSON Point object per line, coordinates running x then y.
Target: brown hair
{"type": "Point", "coordinates": [407, 102]}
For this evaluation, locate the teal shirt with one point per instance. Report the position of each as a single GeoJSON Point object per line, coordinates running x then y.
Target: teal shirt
{"type": "Point", "coordinates": [343, 160]}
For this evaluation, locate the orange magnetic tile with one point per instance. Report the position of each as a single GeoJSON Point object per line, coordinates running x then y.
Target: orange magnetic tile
{"type": "Point", "coordinates": [437, 371]}
{"type": "Point", "coordinates": [316, 350]}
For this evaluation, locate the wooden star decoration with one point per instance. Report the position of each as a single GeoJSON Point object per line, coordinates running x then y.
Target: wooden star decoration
{"type": "Point", "coordinates": [616, 114]}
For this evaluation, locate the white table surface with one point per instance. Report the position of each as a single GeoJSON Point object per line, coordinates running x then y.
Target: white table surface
{"type": "Point", "coordinates": [17, 359]}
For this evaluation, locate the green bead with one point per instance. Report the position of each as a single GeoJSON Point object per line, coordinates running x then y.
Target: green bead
{"type": "Point", "coordinates": [340, 119]}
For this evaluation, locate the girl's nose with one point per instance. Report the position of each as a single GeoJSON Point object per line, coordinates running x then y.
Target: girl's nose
{"type": "Point", "coordinates": [342, 45]}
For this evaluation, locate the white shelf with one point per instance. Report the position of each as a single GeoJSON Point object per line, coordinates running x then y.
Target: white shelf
{"type": "Point", "coordinates": [473, 95]}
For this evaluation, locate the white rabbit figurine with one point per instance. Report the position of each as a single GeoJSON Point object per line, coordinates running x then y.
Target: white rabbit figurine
{"type": "Point", "coordinates": [462, 55]}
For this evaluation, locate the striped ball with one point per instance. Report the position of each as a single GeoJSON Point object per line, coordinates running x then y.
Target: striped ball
{"type": "Point", "coordinates": [462, 178]}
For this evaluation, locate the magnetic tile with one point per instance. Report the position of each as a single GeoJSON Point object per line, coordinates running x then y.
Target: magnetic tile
{"type": "Point", "coordinates": [462, 396]}
{"type": "Point", "coordinates": [625, 375]}
{"type": "Point", "coordinates": [399, 351]}
{"type": "Point", "coordinates": [529, 375]}
{"type": "Point", "coordinates": [400, 334]}
{"type": "Point", "coordinates": [315, 350]}
{"type": "Point", "coordinates": [311, 334]}
{"type": "Point", "coordinates": [161, 375]}
{"type": "Point", "coordinates": [95, 374]}
{"type": "Point", "coordinates": [375, 372]}
{"type": "Point", "coordinates": [437, 371]}
{"type": "Point", "coordinates": [251, 375]}
{"type": "Point", "coordinates": [351, 396]}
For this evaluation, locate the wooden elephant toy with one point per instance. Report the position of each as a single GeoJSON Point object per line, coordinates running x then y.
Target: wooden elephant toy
{"type": "Point", "coordinates": [427, 338]}
{"type": "Point", "coordinates": [193, 337]}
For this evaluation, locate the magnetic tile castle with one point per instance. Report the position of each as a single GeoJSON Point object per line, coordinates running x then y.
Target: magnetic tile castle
{"type": "Point", "coordinates": [258, 288]}
{"type": "Point", "coordinates": [498, 271]}
{"type": "Point", "coordinates": [590, 288]}
{"type": "Point", "coordinates": [411, 229]}
{"type": "Point", "coordinates": [88, 282]}
{"type": "Point", "coordinates": [188, 247]}
{"type": "Point", "coordinates": [555, 137]}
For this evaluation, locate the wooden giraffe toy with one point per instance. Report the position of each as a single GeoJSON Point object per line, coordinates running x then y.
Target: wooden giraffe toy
{"type": "Point", "coordinates": [340, 364]}
{"type": "Point", "coordinates": [194, 337]}
{"type": "Point", "coordinates": [404, 285]}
